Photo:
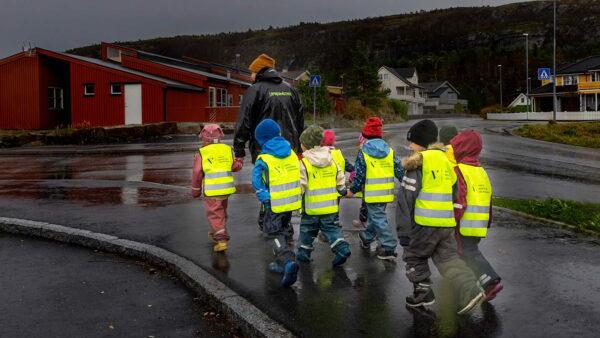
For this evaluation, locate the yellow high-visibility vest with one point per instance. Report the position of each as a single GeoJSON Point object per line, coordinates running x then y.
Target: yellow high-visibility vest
{"type": "Point", "coordinates": [476, 217]}
{"type": "Point", "coordinates": [321, 196]}
{"type": "Point", "coordinates": [284, 182]}
{"type": "Point", "coordinates": [434, 205]}
{"type": "Point", "coordinates": [217, 160]}
{"type": "Point", "coordinates": [379, 183]}
{"type": "Point", "coordinates": [450, 155]}
{"type": "Point", "coordinates": [338, 157]}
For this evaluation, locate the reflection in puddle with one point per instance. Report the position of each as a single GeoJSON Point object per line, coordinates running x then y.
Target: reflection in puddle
{"type": "Point", "coordinates": [138, 196]}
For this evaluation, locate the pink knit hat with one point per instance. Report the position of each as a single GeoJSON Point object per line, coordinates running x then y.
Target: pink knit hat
{"type": "Point", "coordinates": [211, 133]}
{"type": "Point", "coordinates": [328, 138]}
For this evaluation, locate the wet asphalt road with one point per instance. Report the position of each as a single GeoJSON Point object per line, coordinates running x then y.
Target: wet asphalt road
{"type": "Point", "coordinates": [56, 290]}
{"type": "Point", "coordinates": [550, 277]}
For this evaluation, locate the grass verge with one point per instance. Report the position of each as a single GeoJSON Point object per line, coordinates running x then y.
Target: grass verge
{"type": "Point", "coordinates": [584, 134]}
{"type": "Point", "coordinates": [585, 216]}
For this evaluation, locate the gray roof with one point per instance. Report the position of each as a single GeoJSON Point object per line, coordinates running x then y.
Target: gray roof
{"type": "Point", "coordinates": [190, 67]}
{"type": "Point", "coordinates": [401, 77]}
{"type": "Point", "coordinates": [209, 75]}
{"type": "Point", "coordinates": [116, 66]}
{"type": "Point", "coordinates": [435, 89]}
{"type": "Point", "coordinates": [581, 66]}
{"type": "Point", "coordinates": [406, 71]}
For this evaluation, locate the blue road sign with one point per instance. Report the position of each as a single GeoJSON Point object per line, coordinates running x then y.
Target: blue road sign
{"type": "Point", "coordinates": [315, 81]}
{"type": "Point", "coordinates": [544, 74]}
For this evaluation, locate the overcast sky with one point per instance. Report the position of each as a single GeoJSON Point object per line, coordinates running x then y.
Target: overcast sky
{"type": "Point", "coordinates": [64, 24]}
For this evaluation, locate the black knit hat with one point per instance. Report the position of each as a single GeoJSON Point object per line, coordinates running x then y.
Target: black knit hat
{"type": "Point", "coordinates": [423, 133]}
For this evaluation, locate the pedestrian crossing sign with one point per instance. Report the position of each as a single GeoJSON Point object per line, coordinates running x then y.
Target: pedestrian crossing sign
{"type": "Point", "coordinates": [544, 74]}
{"type": "Point", "coordinates": [315, 81]}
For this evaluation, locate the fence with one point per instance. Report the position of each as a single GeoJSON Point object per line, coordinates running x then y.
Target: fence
{"type": "Point", "coordinates": [546, 116]}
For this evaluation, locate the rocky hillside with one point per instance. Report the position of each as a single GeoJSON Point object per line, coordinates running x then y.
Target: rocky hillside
{"type": "Point", "coordinates": [463, 45]}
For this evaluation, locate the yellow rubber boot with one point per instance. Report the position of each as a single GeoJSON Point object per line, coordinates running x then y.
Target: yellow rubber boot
{"type": "Point", "coordinates": [220, 246]}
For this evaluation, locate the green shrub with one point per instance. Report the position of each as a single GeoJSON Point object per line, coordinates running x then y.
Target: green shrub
{"type": "Point", "coordinates": [518, 109]}
{"type": "Point", "coordinates": [400, 108]}
{"type": "Point", "coordinates": [459, 108]}
{"type": "Point", "coordinates": [585, 134]}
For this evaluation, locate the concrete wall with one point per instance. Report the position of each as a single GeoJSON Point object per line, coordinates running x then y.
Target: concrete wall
{"type": "Point", "coordinates": [546, 116]}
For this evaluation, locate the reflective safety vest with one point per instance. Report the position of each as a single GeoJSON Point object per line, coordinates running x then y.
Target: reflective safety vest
{"type": "Point", "coordinates": [379, 183]}
{"type": "Point", "coordinates": [284, 182]}
{"type": "Point", "coordinates": [450, 155]}
{"type": "Point", "coordinates": [321, 196]}
{"type": "Point", "coordinates": [217, 160]}
{"type": "Point", "coordinates": [476, 217]}
{"type": "Point", "coordinates": [434, 205]}
{"type": "Point", "coordinates": [338, 157]}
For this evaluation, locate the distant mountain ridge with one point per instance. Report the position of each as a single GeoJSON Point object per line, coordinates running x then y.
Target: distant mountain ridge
{"type": "Point", "coordinates": [462, 45]}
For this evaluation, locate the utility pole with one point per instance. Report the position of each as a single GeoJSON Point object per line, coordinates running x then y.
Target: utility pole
{"type": "Point", "coordinates": [527, 69]}
{"type": "Point", "coordinates": [501, 104]}
{"type": "Point", "coordinates": [554, 102]}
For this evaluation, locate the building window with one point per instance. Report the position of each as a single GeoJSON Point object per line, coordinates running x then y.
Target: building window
{"type": "Point", "coordinates": [89, 89]}
{"type": "Point", "coordinates": [229, 100]}
{"type": "Point", "coordinates": [570, 80]}
{"type": "Point", "coordinates": [221, 97]}
{"type": "Point", "coordinates": [55, 98]}
{"type": "Point", "coordinates": [241, 98]}
{"type": "Point", "coordinates": [116, 89]}
{"type": "Point", "coordinates": [211, 96]}
{"type": "Point", "coordinates": [595, 76]}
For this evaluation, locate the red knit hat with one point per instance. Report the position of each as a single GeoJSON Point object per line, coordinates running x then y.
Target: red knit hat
{"type": "Point", "coordinates": [373, 128]}
{"type": "Point", "coordinates": [328, 138]}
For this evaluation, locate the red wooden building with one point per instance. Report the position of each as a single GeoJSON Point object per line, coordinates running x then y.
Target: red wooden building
{"type": "Point", "coordinates": [224, 85]}
{"type": "Point", "coordinates": [42, 89]}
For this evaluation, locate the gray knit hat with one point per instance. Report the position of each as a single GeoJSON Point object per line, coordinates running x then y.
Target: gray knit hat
{"type": "Point", "coordinates": [447, 133]}
{"type": "Point", "coordinates": [312, 136]}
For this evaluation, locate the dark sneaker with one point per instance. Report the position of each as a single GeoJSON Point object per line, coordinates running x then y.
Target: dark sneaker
{"type": "Point", "coordinates": [275, 267]}
{"type": "Point", "coordinates": [303, 255]}
{"type": "Point", "coordinates": [422, 295]}
{"type": "Point", "coordinates": [475, 301]}
{"type": "Point", "coordinates": [363, 243]}
{"type": "Point", "coordinates": [339, 259]}
{"type": "Point", "coordinates": [386, 255]}
{"type": "Point", "coordinates": [290, 273]}
{"type": "Point", "coordinates": [492, 290]}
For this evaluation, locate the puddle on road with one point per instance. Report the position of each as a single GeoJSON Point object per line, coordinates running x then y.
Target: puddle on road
{"type": "Point", "coordinates": [111, 195]}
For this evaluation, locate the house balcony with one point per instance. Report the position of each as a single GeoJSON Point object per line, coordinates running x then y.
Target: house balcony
{"type": "Point", "coordinates": [587, 86]}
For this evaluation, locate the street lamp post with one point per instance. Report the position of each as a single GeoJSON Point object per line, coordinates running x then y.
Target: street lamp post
{"type": "Point", "coordinates": [554, 103]}
{"type": "Point", "coordinates": [501, 105]}
{"type": "Point", "coordinates": [527, 69]}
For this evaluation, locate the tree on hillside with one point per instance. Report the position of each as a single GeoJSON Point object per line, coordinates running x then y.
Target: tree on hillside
{"type": "Point", "coordinates": [363, 81]}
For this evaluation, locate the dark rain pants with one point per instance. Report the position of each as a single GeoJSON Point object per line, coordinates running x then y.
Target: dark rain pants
{"type": "Point", "coordinates": [438, 244]}
{"type": "Point", "coordinates": [477, 262]}
{"type": "Point", "coordinates": [277, 229]}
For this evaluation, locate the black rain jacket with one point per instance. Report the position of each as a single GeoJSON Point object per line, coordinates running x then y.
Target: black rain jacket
{"type": "Point", "coordinates": [269, 97]}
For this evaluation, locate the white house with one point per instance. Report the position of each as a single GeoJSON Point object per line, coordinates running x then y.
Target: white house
{"type": "Point", "coordinates": [441, 96]}
{"type": "Point", "coordinates": [403, 84]}
{"type": "Point", "coordinates": [520, 100]}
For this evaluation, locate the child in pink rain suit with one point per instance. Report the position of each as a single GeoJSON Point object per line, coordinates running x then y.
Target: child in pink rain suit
{"type": "Point", "coordinates": [215, 205]}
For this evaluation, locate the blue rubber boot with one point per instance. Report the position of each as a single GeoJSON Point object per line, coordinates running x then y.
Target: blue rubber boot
{"type": "Point", "coordinates": [342, 252]}
{"type": "Point", "coordinates": [303, 255]}
{"type": "Point", "coordinates": [290, 273]}
{"type": "Point", "coordinates": [275, 267]}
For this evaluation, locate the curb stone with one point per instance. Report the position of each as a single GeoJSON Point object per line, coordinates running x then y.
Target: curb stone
{"type": "Point", "coordinates": [549, 222]}
{"type": "Point", "coordinates": [252, 321]}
